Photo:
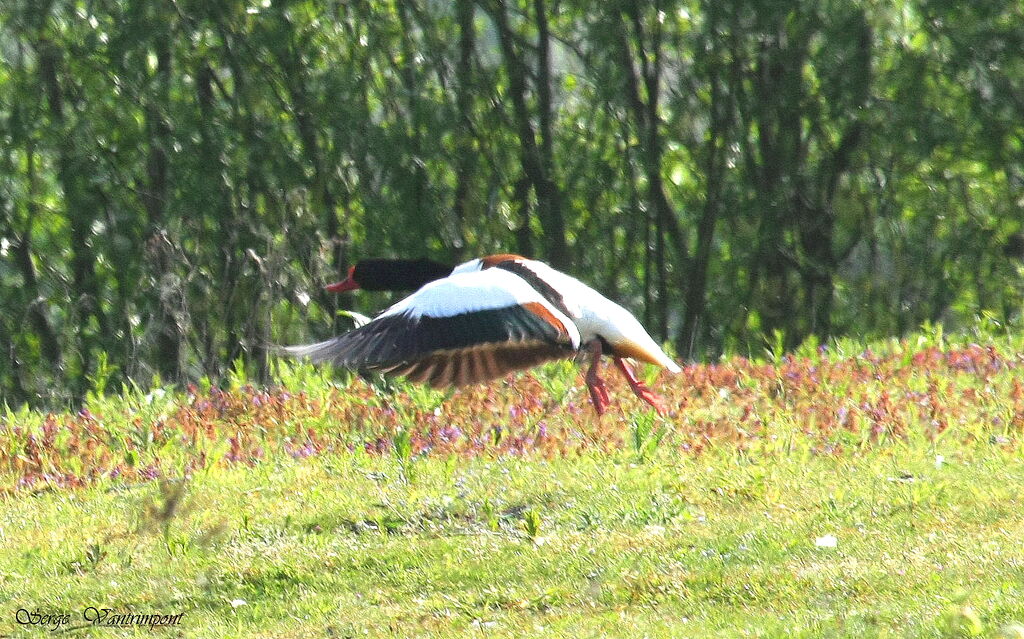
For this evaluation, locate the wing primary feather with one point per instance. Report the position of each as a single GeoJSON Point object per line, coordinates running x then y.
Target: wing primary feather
{"type": "Point", "coordinates": [444, 351]}
{"type": "Point", "coordinates": [443, 372]}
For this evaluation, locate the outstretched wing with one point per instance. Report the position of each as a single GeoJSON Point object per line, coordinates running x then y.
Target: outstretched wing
{"type": "Point", "coordinates": [463, 329]}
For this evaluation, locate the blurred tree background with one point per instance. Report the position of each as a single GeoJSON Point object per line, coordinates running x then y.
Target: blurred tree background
{"type": "Point", "coordinates": [179, 178]}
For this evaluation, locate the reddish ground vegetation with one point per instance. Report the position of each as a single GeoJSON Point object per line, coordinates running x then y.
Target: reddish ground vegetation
{"type": "Point", "coordinates": [835, 403]}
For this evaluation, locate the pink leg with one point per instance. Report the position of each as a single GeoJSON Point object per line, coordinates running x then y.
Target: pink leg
{"type": "Point", "coordinates": [639, 388]}
{"type": "Point", "coordinates": [596, 385]}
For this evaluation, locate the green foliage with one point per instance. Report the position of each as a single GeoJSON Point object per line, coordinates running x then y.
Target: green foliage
{"type": "Point", "coordinates": [775, 345]}
{"type": "Point", "coordinates": [836, 396]}
{"type": "Point", "coordinates": [98, 381]}
{"type": "Point", "coordinates": [646, 435]}
{"type": "Point", "coordinates": [423, 398]}
{"type": "Point", "coordinates": [237, 376]}
{"type": "Point", "coordinates": [402, 443]}
{"type": "Point", "coordinates": [490, 516]}
{"type": "Point", "coordinates": [558, 380]}
{"type": "Point", "coordinates": [178, 181]}
{"type": "Point", "coordinates": [531, 524]}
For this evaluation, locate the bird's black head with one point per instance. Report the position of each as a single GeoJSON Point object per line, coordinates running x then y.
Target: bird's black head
{"type": "Point", "coordinates": [382, 274]}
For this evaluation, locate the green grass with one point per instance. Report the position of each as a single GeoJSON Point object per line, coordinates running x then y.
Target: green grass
{"type": "Point", "coordinates": [721, 544]}
{"type": "Point", "coordinates": [638, 533]}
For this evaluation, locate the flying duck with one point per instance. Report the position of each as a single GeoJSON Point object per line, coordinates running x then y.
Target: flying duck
{"type": "Point", "coordinates": [483, 319]}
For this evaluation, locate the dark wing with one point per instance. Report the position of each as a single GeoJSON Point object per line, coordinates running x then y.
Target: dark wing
{"type": "Point", "coordinates": [448, 351]}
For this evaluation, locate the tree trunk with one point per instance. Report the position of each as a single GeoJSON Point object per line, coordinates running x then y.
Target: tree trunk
{"type": "Point", "coordinates": [73, 174]}
{"type": "Point", "coordinates": [466, 161]}
{"type": "Point", "coordinates": [715, 147]}
{"type": "Point", "coordinates": [154, 194]}
{"type": "Point", "coordinates": [549, 196]}
{"type": "Point", "coordinates": [22, 249]}
{"type": "Point", "coordinates": [645, 117]}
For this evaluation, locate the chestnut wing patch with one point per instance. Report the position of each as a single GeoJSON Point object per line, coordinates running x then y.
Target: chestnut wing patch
{"type": "Point", "coordinates": [448, 351]}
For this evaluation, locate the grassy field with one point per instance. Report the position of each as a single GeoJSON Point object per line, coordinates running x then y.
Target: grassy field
{"type": "Point", "coordinates": [840, 492]}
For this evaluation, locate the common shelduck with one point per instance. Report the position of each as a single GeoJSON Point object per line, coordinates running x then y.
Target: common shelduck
{"type": "Point", "coordinates": [484, 319]}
